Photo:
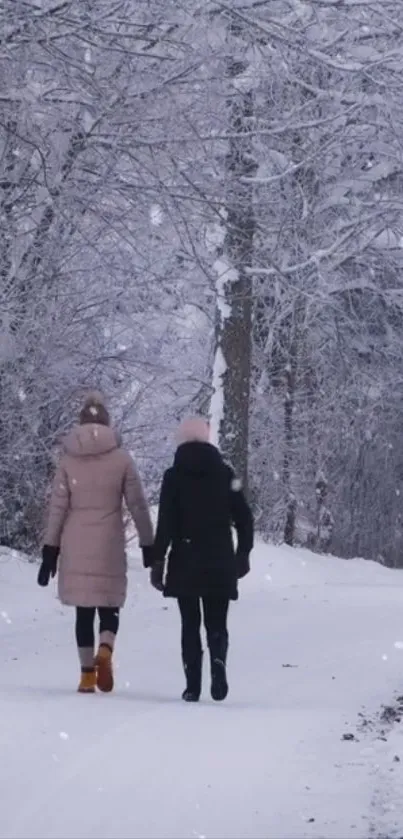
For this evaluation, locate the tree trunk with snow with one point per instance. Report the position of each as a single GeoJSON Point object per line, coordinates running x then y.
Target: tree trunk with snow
{"type": "Point", "coordinates": [232, 363]}
{"type": "Point", "coordinates": [292, 374]}
{"type": "Point", "coordinates": [289, 400]}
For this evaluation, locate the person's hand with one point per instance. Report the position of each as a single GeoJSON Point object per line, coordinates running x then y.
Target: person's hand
{"type": "Point", "coordinates": [148, 555]}
{"type": "Point", "coordinates": [48, 568]}
{"type": "Point", "coordinates": [157, 575]}
{"type": "Point", "coordinates": [242, 564]}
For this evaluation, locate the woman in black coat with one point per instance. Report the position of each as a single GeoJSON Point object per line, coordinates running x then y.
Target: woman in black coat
{"type": "Point", "coordinates": [200, 502]}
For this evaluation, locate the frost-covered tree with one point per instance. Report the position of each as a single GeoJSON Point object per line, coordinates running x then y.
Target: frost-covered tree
{"type": "Point", "coordinates": [201, 210]}
{"type": "Point", "coordinates": [327, 267]}
{"type": "Point", "coordinates": [94, 238]}
{"type": "Point", "coordinates": [233, 352]}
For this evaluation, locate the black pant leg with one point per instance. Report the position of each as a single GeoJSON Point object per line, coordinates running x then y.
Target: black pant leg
{"type": "Point", "coordinates": [108, 625]}
{"type": "Point", "coordinates": [215, 611]}
{"type": "Point", "coordinates": [189, 608]}
{"type": "Point", "coordinates": [108, 620]}
{"type": "Point", "coordinates": [85, 626]}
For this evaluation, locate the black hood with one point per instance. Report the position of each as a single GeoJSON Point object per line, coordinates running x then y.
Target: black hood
{"type": "Point", "coordinates": [197, 458]}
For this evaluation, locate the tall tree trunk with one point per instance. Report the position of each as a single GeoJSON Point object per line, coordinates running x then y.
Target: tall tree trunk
{"type": "Point", "coordinates": [232, 366]}
{"type": "Point", "coordinates": [289, 401]}
{"type": "Point", "coordinates": [7, 189]}
{"type": "Point", "coordinates": [291, 388]}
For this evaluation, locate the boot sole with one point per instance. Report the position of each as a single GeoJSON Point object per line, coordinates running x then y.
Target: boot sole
{"type": "Point", "coordinates": [85, 690]}
{"type": "Point", "coordinates": [104, 672]}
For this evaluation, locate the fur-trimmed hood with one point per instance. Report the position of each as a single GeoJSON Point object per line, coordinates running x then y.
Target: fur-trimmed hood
{"type": "Point", "coordinates": [91, 440]}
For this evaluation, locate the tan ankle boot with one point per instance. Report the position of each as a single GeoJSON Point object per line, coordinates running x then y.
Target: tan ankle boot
{"type": "Point", "coordinates": [104, 670]}
{"type": "Point", "coordinates": [87, 682]}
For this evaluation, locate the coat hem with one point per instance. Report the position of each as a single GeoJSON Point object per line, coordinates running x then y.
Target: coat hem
{"type": "Point", "coordinates": [91, 603]}
{"type": "Point", "coordinates": [211, 595]}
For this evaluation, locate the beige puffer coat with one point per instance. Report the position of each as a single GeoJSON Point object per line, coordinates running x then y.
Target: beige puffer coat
{"type": "Point", "coordinates": [86, 517]}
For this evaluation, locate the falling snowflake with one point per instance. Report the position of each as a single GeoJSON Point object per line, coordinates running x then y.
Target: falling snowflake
{"type": "Point", "coordinates": [156, 215]}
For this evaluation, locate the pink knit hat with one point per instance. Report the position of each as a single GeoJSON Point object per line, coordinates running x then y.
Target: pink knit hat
{"type": "Point", "coordinates": [193, 429]}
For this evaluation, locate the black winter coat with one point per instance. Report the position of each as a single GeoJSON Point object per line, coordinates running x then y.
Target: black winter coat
{"type": "Point", "coordinates": [200, 501]}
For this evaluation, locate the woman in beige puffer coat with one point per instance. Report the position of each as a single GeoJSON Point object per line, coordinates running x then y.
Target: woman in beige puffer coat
{"type": "Point", "coordinates": [85, 525]}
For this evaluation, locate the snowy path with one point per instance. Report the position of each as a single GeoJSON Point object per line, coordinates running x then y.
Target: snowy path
{"type": "Point", "coordinates": [266, 763]}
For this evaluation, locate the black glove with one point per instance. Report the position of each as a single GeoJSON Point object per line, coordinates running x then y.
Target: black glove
{"type": "Point", "coordinates": [157, 575]}
{"type": "Point", "coordinates": [242, 564]}
{"type": "Point", "coordinates": [48, 567]}
{"type": "Point", "coordinates": [148, 556]}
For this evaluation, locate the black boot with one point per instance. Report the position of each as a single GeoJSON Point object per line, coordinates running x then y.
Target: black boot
{"type": "Point", "coordinates": [218, 643]}
{"type": "Point", "coordinates": [193, 673]}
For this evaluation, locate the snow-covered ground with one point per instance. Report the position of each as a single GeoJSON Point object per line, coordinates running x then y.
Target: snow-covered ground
{"type": "Point", "coordinates": [317, 648]}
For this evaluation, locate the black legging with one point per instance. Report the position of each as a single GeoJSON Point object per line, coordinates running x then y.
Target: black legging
{"type": "Point", "coordinates": [85, 617]}
{"type": "Point", "coordinates": [215, 611]}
